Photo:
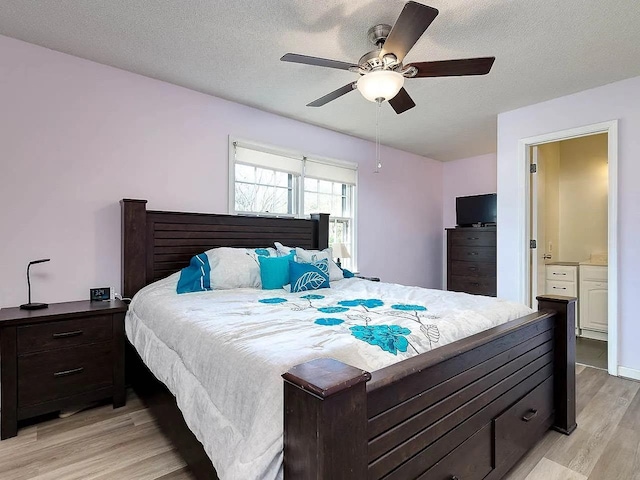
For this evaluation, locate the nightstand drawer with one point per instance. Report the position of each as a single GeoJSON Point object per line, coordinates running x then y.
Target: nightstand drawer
{"type": "Point", "coordinates": [65, 333]}
{"type": "Point", "coordinates": [47, 376]}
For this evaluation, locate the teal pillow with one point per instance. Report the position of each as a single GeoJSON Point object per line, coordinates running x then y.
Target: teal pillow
{"type": "Point", "coordinates": [274, 271]}
{"type": "Point", "coordinates": [309, 276]}
{"type": "Point", "coordinates": [347, 273]}
{"type": "Point", "coordinates": [195, 277]}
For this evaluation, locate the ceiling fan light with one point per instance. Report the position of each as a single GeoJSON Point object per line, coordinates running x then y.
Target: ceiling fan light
{"type": "Point", "coordinates": [383, 84]}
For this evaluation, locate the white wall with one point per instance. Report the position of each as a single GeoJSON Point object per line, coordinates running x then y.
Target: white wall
{"type": "Point", "coordinates": [76, 137]}
{"type": "Point", "coordinates": [583, 186]}
{"type": "Point", "coordinates": [620, 100]}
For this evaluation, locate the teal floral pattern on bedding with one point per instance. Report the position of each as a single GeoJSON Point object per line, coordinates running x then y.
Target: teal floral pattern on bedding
{"type": "Point", "coordinates": [359, 316]}
{"type": "Point", "coordinates": [390, 338]}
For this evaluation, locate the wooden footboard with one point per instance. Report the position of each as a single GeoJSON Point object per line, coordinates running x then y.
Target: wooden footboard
{"type": "Point", "coordinates": [467, 410]}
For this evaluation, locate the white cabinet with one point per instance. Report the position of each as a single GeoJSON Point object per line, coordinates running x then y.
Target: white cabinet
{"type": "Point", "coordinates": [563, 280]}
{"type": "Point", "coordinates": [594, 296]}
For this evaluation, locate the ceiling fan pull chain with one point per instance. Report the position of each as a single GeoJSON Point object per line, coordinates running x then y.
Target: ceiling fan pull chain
{"type": "Point", "coordinates": [378, 161]}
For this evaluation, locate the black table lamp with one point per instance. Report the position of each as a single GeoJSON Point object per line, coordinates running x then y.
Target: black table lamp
{"type": "Point", "coordinates": [34, 306]}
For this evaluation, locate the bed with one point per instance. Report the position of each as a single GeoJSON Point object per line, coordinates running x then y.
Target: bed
{"type": "Point", "coordinates": [467, 409]}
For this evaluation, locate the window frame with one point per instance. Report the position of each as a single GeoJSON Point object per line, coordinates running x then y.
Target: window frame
{"type": "Point", "coordinates": [299, 191]}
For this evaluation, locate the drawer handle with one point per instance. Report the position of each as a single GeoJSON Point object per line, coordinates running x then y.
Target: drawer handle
{"type": "Point", "coordinates": [475, 284]}
{"type": "Point", "coordinates": [530, 415]}
{"type": "Point", "coordinates": [473, 269]}
{"type": "Point", "coordinates": [65, 373]}
{"type": "Point", "coordinates": [560, 288]}
{"type": "Point", "coordinates": [556, 273]}
{"type": "Point", "coordinates": [473, 238]}
{"type": "Point", "coordinates": [472, 253]}
{"type": "Point", "coordinates": [75, 333]}
{"type": "Point", "coordinates": [454, 477]}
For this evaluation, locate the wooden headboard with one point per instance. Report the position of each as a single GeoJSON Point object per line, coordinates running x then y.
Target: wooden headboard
{"type": "Point", "coordinates": [156, 244]}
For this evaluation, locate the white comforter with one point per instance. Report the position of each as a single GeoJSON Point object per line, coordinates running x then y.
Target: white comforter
{"type": "Point", "coordinates": [222, 353]}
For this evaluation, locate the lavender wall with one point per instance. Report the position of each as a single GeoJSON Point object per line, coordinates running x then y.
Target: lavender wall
{"type": "Point", "coordinates": [76, 136]}
{"type": "Point", "coordinates": [467, 176]}
{"type": "Point", "coordinates": [620, 100]}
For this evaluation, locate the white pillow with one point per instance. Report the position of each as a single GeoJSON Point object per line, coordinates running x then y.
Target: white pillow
{"type": "Point", "coordinates": [309, 256]}
{"type": "Point", "coordinates": [235, 267]}
{"type": "Point", "coordinates": [282, 250]}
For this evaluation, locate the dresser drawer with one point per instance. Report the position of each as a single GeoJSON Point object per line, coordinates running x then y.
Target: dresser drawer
{"type": "Point", "coordinates": [468, 237]}
{"type": "Point", "coordinates": [561, 273]}
{"type": "Point", "coordinates": [473, 269]}
{"type": "Point", "coordinates": [473, 285]}
{"type": "Point", "coordinates": [568, 289]}
{"type": "Point", "coordinates": [473, 254]}
{"type": "Point", "coordinates": [457, 464]}
{"type": "Point", "coordinates": [65, 333]}
{"type": "Point", "coordinates": [64, 372]}
{"type": "Point", "coordinates": [518, 428]}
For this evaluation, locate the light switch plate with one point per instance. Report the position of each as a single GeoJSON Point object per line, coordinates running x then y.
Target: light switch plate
{"type": "Point", "coordinates": [98, 294]}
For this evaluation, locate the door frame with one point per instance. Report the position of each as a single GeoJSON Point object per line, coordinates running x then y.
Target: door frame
{"type": "Point", "coordinates": [524, 158]}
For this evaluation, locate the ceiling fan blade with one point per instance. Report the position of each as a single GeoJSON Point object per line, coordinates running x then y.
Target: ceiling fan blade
{"type": "Point", "coordinates": [411, 24]}
{"type": "Point", "coordinates": [329, 97]}
{"type": "Point", "coordinates": [454, 68]}
{"type": "Point", "coordinates": [319, 62]}
{"type": "Point", "coordinates": [402, 102]}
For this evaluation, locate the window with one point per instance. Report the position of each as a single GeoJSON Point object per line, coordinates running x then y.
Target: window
{"type": "Point", "coordinates": [268, 181]}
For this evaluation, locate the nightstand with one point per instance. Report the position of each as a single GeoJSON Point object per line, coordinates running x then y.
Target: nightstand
{"type": "Point", "coordinates": [65, 355]}
{"type": "Point", "coordinates": [371, 279]}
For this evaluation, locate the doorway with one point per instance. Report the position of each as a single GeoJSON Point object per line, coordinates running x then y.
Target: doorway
{"type": "Point", "coordinates": [571, 212]}
{"type": "Point", "coordinates": [569, 200]}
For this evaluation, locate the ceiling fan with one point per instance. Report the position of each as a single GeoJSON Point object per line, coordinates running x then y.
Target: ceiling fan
{"type": "Point", "coordinates": [382, 73]}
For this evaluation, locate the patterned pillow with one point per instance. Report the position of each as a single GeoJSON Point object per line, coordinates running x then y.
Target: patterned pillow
{"type": "Point", "coordinates": [309, 276]}
{"type": "Point", "coordinates": [196, 277]}
{"type": "Point", "coordinates": [309, 256]}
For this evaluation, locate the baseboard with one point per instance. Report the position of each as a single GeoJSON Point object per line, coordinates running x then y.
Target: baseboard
{"type": "Point", "coordinates": [593, 335]}
{"type": "Point", "coordinates": [631, 373]}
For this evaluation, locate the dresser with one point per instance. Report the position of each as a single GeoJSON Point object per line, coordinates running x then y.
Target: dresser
{"type": "Point", "coordinates": [471, 260]}
{"type": "Point", "coordinates": [66, 355]}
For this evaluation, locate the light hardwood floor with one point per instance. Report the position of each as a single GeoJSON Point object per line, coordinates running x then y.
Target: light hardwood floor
{"type": "Point", "coordinates": [125, 444]}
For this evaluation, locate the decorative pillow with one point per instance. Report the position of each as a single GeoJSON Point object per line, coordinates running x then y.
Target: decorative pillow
{"type": "Point", "coordinates": [282, 250]}
{"type": "Point", "coordinates": [347, 273]}
{"type": "Point", "coordinates": [274, 271]}
{"type": "Point", "coordinates": [195, 277]}
{"type": "Point", "coordinates": [309, 276]}
{"type": "Point", "coordinates": [308, 256]}
{"type": "Point", "coordinates": [235, 268]}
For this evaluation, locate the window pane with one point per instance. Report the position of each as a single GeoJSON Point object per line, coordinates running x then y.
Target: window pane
{"type": "Point", "coordinates": [324, 203]}
{"type": "Point", "coordinates": [324, 186]}
{"type": "Point", "coordinates": [245, 173]}
{"type": "Point", "coordinates": [245, 197]}
{"type": "Point", "coordinates": [282, 179]}
{"type": "Point", "coordinates": [310, 203]}
{"type": "Point", "coordinates": [264, 176]}
{"type": "Point", "coordinates": [311, 184]}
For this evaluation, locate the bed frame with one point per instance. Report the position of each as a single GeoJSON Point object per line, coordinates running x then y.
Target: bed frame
{"type": "Point", "coordinates": [467, 410]}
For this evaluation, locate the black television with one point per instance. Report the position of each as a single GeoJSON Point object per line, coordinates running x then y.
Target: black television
{"type": "Point", "coordinates": [476, 210]}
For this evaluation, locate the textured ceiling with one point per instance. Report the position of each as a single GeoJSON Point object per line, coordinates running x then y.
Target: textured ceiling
{"type": "Point", "coordinates": [231, 49]}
